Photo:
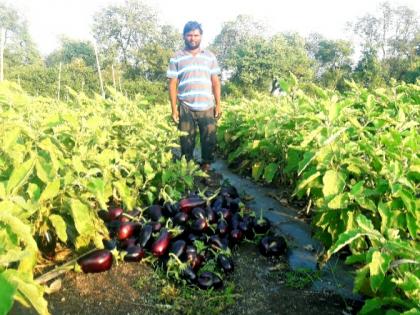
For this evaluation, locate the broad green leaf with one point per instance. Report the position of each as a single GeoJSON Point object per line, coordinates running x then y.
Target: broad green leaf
{"type": "Point", "coordinates": [148, 171]}
{"type": "Point", "coordinates": [357, 189]}
{"type": "Point", "coordinates": [125, 194]}
{"type": "Point", "coordinates": [364, 223]}
{"type": "Point", "coordinates": [28, 290]}
{"type": "Point", "coordinates": [410, 284]}
{"type": "Point", "coordinates": [257, 170]}
{"type": "Point", "coordinates": [378, 268]}
{"type": "Point", "coordinates": [23, 232]}
{"type": "Point", "coordinates": [81, 217]}
{"type": "Point", "coordinates": [60, 226]}
{"type": "Point", "coordinates": [411, 225]}
{"type": "Point", "coordinates": [361, 278]}
{"type": "Point", "coordinates": [365, 203]}
{"type": "Point", "coordinates": [97, 187]}
{"type": "Point", "coordinates": [44, 170]}
{"type": "Point", "coordinates": [19, 175]}
{"type": "Point", "coordinates": [308, 180]}
{"type": "Point", "coordinates": [270, 171]}
{"type": "Point", "coordinates": [371, 305]}
{"type": "Point", "coordinates": [51, 190]}
{"type": "Point", "coordinates": [7, 291]}
{"type": "Point", "coordinates": [340, 201]}
{"type": "Point", "coordinates": [334, 183]}
{"type": "Point", "coordinates": [343, 240]}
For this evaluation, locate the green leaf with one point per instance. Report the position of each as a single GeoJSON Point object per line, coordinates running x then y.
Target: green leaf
{"type": "Point", "coordinates": [411, 225]}
{"type": "Point", "coordinates": [307, 181]}
{"type": "Point", "coordinates": [60, 226]}
{"type": "Point", "coordinates": [410, 284]}
{"type": "Point", "coordinates": [364, 223]}
{"type": "Point", "coordinates": [7, 291]}
{"type": "Point", "coordinates": [270, 171]}
{"type": "Point", "coordinates": [51, 190]}
{"type": "Point", "coordinates": [371, 305]}
{"type": "Point", "coordinates": [81, 217]}
{"type": "Point", "coordinates": [28, 290]}
{"type": "Point", "coordinates": [339, 202]}
{"type": "Point", "coordinates": [148, 171]}
{"type": "Point", "coordinates": [19, 175]}
{"type": "Point", "coordinates": [343, 240]}
{"type": "Point", "coordinates": [378, 268]}
{"type": "Point", "coordinates": [125, 194]}
{"type": "Point", "coordinates": [97, 187]}
{"type": "Point", "coordinates": [257, 170]}
{"type": "Point", "coordinates": [334, 183]}
{"type": "Point", "coordinates": [365, 203]}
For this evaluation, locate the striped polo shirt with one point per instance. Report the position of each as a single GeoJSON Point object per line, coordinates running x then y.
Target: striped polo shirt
{"type": "Point", "coordinates": [194, 78]}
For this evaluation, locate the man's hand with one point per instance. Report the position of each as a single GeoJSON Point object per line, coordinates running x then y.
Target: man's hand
{"type": "Point", "coordinates": [217, 112]}
{"type": "Point", "coordinates": [175, 116]}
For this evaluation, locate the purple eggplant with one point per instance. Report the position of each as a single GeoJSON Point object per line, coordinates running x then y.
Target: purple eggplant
{"type": "Point", "coordinates": [109, 244]}
{"type": "Point", "coordinates": [127, 243]}
{"type": "Point", "coordinates": [211, 216]}
{"type": "Point", "coordinates": [181, 218]}
{"type": "Point", "coordinates": [222, 227]}
{"type": "Point", "coordinates": [229, 191]}
{"type": "Point", "coordinates": [217, 203]}
{"type": "Point", "coordinates": [189, 274]}
{"type": "Point", "coordinates": [216, 243]}
{"type": "Point", "coordinates": [236, 236]}
{"type": "Point", "coordinates": [178, 247]}
{"type": "Point", "coordinates": [187, 204]}
{"type": "Point", "coordinates": [199, 225]}
{"type": "Point", "coordinates": [217, 282]}
{"type": "Point", "coordinates": [198, 213]}
{"type": "Point", "coordinates": [96, 261]}
{"type": "Point", "coordinates": [227, 214]}
{"type": "Point", "coordinates": [205, 280]}
{"type": "Point", "coordinates": [127, 230]}
{"type": "Point", "coordinates": [104, 215]}
{"type": "Point", "coordinates": [134, 253]}
{"type": "Point", "coordinates": [225, 262]}
{"type": "Point", "coordinates": [245, 227]}
{"type": "Point", "coordinates": [156, 225]}
{"type": "Point", "coordinates": [46, 242]}
{"type": "Point", "coordinates": [169, 210]}
{"type": "Point", "coordinates": [145, 235]}
{"type": "Point", "coordinates": [155, 212]}
{"type": "Point", "coordinates": [115, 213]}
{"type": "Point", "coordinates": [273, 246]}
{"type": "Point", "coordinates": [160, 246]}
{"type": "Point", "coordinates": [262, 225]}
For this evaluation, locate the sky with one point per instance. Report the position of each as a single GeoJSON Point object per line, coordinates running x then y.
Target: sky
{"type": "Point", "coordinates": [48, 19]}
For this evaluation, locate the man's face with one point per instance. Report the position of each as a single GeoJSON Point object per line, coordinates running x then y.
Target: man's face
{"type": "Point", "coordinates": [192, 39]}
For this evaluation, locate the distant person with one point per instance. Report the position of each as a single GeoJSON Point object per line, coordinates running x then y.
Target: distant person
{"type": "Point", "coordinates": [194, 90]}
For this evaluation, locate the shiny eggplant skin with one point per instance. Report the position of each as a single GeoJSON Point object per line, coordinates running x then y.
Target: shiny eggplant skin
{"type": "Point", "coordinates": [160, 246]}
{"type": "Point", "coordinates": [134, 253]}
{"type": "Point", "coordinates": [187, 204]}
{"type": "Point", "coordinates": [145, 235]}
{"type": "Point", "coordinates": [96, 261]}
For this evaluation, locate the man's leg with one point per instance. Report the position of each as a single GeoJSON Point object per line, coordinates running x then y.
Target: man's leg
{"type": "Point", "coordinates": [187, 124]}
{"type": "Point", "coordinates": [207, 126]}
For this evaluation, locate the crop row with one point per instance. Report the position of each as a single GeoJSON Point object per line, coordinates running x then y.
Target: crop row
{"type": "Point", "coordinates": [355, 159]}
{"type": "Point", "coordinates": [62, 162]}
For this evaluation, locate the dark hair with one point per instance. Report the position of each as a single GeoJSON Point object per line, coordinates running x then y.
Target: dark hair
{"type": "Point", "coordinates": [192, 25]}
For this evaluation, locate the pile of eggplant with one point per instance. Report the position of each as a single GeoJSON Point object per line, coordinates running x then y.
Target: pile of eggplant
{"type": "Point", "coordinates": [191, 239]}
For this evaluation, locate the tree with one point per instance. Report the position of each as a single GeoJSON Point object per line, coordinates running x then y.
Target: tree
{"type": "Point", "coordinates": [394, 33]}
{"type": "Point", "coordinates": [71, 50]}
{"type": "Point", "coordinates": [332, 58]}
{"type": "Point", "coordinates": [258, 63]}
{"type": "Point", "coordinates": [368, 70]}
{"type": "Point", "coordinates": [16, 45]}
{"type": "Point", "coordinates": [129, 33]}
{"type": "Point", "coordinates": [235, 33]}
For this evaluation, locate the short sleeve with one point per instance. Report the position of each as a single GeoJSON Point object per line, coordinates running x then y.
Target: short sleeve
{"type": "Point", "coordinates": [172, 71]}
{"type": "Point", "coordinates": [214, 66]}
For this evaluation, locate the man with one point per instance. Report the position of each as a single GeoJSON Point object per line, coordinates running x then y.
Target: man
{"type": "Point", "coordinates": [194, 91]}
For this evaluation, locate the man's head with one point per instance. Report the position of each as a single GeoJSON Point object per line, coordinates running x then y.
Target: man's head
{"type": "Point", "coordinates": [192, 35]}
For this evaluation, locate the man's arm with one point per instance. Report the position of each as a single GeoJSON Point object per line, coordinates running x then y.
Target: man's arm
{"type": "Point", "coordinates": [173, 91]}
{"type": "Point", "coordinates": [215, 82]}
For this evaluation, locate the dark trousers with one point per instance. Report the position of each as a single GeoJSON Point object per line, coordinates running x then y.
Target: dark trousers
{"type": "Point", "coordinates": [188, 122]}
